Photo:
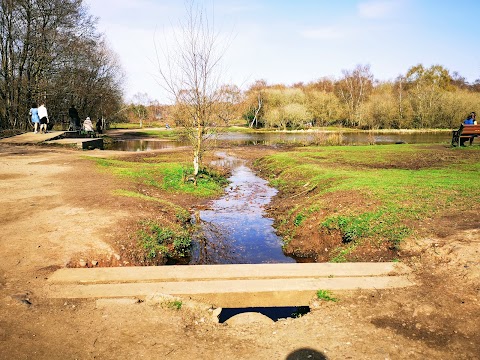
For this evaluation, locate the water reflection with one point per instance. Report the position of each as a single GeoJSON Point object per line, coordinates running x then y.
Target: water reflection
{"type": "Point", "coordinates": [234, 230]}
{"type": "Point", "coordinates": [348, 138]}
{"type": "Point", "coordinates": [301, 138]}
{"type": "Point", "coordinates": [142, 145]}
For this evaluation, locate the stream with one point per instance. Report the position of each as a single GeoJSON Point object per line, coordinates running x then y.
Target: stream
{"type": "Point", "coordinates": [235, 229]}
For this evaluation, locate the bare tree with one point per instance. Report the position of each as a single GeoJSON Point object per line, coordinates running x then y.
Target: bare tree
{"type": "Point", "coordinates": [354, 89]}
{"type": "Point", "coordinates": [139, 106]}
{"type": "Point", "coordinates": [190, 72]}
{"type": "Point", "coordinates": [51, 50]}
{"type": "Point", "coordinates": [255, 99]}
{"type": "Point", "coordinates": [228, 107]}
{"type": "Point", "coordinates": [426, 88]}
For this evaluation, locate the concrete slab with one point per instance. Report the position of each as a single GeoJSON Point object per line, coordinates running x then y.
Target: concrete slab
{"type": "Point", "coordinates": [245, 285]}
{"type": "Point", "coordinates": [236, 271]}
{"type": "Point", "coordinates": [233, 293]}
{"type": "Point", "coordinates": [81, 143]}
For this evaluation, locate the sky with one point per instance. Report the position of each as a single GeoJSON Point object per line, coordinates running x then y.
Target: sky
{"type": "Point", "coordinates": [286, 42]}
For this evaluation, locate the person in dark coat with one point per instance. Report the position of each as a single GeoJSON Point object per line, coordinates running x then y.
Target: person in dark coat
{"type": "Point", "coordinates": [74, 119]}
{"type": "Point", "coordinates": [98, 125]}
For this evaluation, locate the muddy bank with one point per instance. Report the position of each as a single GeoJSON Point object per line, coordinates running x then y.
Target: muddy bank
{"type": "Point", "coordinates": [303, 209]}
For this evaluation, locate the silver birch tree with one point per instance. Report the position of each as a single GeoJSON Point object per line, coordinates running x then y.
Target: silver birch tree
{"type": "Point", "coordinates": [189, 70]}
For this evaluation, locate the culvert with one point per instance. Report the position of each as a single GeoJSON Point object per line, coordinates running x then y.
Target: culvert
{"type": "Point", "coordinates": [274, 313]}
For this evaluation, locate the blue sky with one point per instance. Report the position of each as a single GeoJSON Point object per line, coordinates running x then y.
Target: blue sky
{"type": "Point", "coordinates": [301, 40]}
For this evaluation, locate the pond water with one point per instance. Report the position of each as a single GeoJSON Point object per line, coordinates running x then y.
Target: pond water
{"type": "Point", "coordinates": [235, 229]}
{"type": "Point", "coordinates": [142, 145]}
{"type": "Point", "coordinates": [272, 138]}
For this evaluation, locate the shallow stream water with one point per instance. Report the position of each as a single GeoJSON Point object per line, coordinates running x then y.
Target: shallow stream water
{"type": "Point", "coordinates": [235, 228]}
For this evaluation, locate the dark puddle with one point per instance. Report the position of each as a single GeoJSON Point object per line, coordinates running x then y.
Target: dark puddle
{"type": "Point", "coordinates": [235, 230]}
{"type": "Point", "coordinates": [274, 313]}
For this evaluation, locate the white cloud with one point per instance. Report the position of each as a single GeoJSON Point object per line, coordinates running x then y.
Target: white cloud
{"type": "Point", "coordinates": [378, 9]}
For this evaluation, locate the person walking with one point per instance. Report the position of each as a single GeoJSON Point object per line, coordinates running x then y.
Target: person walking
{"type": "Point", "coordinates": [74, 119]}
{"type": "Point", "coordinates": [98, 125]}
{"type": "Point", "coordinates": [43, 115]}
{"type": "Point", "coordinates": [88, 125]}
{"type": "Point", "coordinates": [35, 118]}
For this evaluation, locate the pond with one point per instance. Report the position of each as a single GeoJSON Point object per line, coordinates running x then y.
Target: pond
{"type": "Point", "coordinates": [300, 138]}
{"type": "Point", "coordinates": [235, 228]}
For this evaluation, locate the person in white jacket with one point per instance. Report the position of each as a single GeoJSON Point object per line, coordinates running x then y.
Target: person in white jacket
{"type": "Point", "coordinates": [43, 115]}
{"type": "Point", "coordinates": [87, 125]}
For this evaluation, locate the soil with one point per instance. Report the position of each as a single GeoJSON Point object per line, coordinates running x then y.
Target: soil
{"type": "Point", "coordinates": [57, 208]}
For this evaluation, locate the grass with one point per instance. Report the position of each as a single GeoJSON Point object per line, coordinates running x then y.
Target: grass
{"type": "Point", "coordinates": [136, 125]}
{"type": "Point", "coordinates": [325, 295]}
{"type": "Point", "coordinates": [382, 223]}
{"type": "Point", "coordinates": [386, 176]}
{"type": "Point", "coordinates": [162, 134]}
{"type": "Point", "coordinates": [168, 176]}
{"type": "Point", "coordinates": [174, 304]}
{"type": "Point", "coordinates": [158, 240]}
{"type": "Point", "coordinates": [158, 179]}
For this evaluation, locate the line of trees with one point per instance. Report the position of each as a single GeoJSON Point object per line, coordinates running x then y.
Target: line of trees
{"type": "Point", "coordinates": [422, 98]}
{"type": "Point", "coordinates": [52, 52]}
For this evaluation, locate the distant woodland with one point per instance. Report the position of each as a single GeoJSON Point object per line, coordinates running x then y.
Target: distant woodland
{"type": "Point", "coordinates": [424, 97]}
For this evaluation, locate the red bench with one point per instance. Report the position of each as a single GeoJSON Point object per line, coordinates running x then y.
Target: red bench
{"type": "Point", "coordinates": [464, 133]}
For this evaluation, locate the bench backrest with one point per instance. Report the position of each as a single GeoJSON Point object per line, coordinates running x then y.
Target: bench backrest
{"type": "Point", "coordinates": [470, 130]}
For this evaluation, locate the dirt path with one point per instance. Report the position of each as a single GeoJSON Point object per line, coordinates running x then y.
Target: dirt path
{"type": "Point", "coordinates": [55, 206]}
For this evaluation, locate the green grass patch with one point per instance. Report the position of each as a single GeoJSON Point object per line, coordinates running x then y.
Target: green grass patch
{"type": "Point", "coordinates": [386, 176]}
{"type": "Point", "coordinates": [174, 304]}
{"type": "Point", "coordinates": [169, 176]}
{"type": "Point", "coordinates": [381, 223]}
{"type": "Point", "coordinates": [157, 133]}
{"type": "Point", "coordinates": [136, 125]}
{"type": "Point", "coordinates": [339, 255]}
{"type": "Point", "coordinates": [325, 295]}
{"type": "Point", "coordinates": [299, 219]}
{"type": "Point", "coordinates": [158, 240]}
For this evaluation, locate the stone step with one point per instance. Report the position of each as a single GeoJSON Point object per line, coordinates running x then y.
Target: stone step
{"type": "Point", "coordinates": [258, 285]}
{"type": "Point", "coordinates": [217, 272]}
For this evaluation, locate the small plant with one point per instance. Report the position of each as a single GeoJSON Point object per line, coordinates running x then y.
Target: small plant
{"type": "Point", "coordinates": [182, 244]}
{"type": "Point", "coordinates": [182, 215]}
{"type": "Point", "coordinates": [158, 240]}
{"type": "Point", "coordinates": [325, 295]}
{"type": "Point", "coordinates": [174, 304]}
{"type": "Point", "coordinates": [299, 219]}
